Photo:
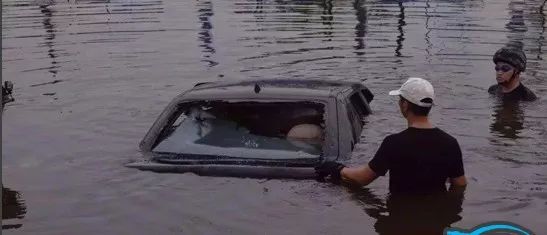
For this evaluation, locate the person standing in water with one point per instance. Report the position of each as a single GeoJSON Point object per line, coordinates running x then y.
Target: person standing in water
{"type": "Point", "coordinates": [510, 62]}
{"type": "Point", "coordinates": [7, 89]}
{"type": "Point", "coordinates": [420, 159]}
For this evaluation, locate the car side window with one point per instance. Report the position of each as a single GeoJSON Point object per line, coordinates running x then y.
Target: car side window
{"type": "Point", "coordinates": [359, 105]}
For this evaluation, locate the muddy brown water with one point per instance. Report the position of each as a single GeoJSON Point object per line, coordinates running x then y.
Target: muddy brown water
{"type": "Point", "coordinates": [91, 76]}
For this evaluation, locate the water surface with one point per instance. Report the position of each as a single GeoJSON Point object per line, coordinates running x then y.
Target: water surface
{"type": "Point", "coordinates": [91, 76]}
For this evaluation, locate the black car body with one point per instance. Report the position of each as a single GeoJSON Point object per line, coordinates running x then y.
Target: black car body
{"type": "Point", "coordinates": [241, 128]}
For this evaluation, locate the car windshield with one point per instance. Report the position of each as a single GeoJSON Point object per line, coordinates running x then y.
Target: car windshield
{"type": "Point", "coordinates": [260, 130]}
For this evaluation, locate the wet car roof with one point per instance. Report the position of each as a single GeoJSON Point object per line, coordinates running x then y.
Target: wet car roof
{"type": "Point", "coordinates": [273, 87]}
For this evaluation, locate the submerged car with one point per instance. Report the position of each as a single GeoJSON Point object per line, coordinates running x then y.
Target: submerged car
{"type": "Point", "coordinates": [257, 128]}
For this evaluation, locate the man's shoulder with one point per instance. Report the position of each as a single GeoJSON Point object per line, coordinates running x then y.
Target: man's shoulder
{"type": "Point", "coordinates": [398, 135]}
{"type": "Point", "coordinates": [528, 94]}
{"type": "Point", "coordinates": [393, 139]}
{"type": "Point", "coordinates": [435, 133]}
{"type": "Point", "coordinates": [493, 89]}
{"type": "Point", "coordinates": [445, 135]}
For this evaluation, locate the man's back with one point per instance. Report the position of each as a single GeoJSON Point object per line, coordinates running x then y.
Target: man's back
{"type": "Point", "coordinates": [419, 160]}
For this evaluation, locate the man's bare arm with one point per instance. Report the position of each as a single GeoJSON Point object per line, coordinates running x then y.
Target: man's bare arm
{"type": "Point", "coordinates": [362, 175]}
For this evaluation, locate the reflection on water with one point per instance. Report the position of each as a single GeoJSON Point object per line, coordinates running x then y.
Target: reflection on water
{"type": "Point", "coordinates": [423, 215]}
{"type": "Point", "coordinates": [427, 36]}
{"type": "Point", "coordinates": [516, 24]}
{"type": "Point", "coordinates": [327, 19]}
{"type": "Point", "coordinates": [508, 119]}
{"type": "Point", "coordinates": [540, 16]}
{"type": "Point", "coordinates": [13, 209]}
{"type": "Point", "coordinates": [205, 10]}
{"type": "Point", "coordinates": [49, 37]}
{"type": "Point", "coordinates": [401, 36]}
{"type": "Point", "coordinates": [361, 27]}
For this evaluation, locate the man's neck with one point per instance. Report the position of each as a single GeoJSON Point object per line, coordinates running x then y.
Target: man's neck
{"type": "Point", "coordinates": [511, 85]}
{"type": "Point", "coordinates": [421, 122]}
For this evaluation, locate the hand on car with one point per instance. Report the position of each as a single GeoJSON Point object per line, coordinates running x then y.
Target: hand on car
{"type": "Point", "coordinates": [330, 168]}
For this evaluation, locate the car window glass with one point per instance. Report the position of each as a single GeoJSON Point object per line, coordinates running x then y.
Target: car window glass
{"type": "Point", "coordinates": [246, 129]}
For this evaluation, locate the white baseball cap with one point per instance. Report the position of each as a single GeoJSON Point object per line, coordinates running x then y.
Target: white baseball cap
{"type": "Point", "coordinates": [416, 90]}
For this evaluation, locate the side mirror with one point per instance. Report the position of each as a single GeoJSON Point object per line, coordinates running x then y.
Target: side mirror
{"type": "Point", "coordinates": [368, 95]}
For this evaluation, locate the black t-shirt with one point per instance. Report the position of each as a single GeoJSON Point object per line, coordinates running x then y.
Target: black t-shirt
{"type": "Point", "coordinates": [519, 93]}
{"type": "Point", "coordinates": [418, 160]}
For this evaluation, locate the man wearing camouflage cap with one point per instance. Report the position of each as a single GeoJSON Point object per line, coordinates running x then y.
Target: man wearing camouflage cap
{"type": "Point", "coordinates": [510, 62]}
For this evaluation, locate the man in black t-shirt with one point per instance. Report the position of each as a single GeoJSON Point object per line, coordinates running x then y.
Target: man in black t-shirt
{"type": "Point", "coordinates": [510, 62]}
{"type": "Point", "coordinates": [419, 159]}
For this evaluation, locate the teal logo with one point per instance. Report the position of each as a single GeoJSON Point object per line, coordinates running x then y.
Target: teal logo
{"type": "Point", "coordinates": [499, 227]}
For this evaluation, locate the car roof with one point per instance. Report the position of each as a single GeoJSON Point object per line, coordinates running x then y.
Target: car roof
{"type": "Point", "coordinates": [271, 88]}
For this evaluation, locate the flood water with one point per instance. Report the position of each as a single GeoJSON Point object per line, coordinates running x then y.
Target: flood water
{"type": "Point", "coordinates": [91, 76]}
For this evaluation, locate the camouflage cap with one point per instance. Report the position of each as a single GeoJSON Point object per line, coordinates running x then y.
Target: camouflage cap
{"type": "Point", "coordinates": [512, 56]}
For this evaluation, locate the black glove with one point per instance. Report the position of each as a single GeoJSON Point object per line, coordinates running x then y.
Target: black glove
{"type": "Point", "coordinates": [330, 168]}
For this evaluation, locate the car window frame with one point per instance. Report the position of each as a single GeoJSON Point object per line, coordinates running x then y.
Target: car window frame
{"type": "Point", "coordinates": [357, 124]}
{"type": "Point", "coordinates": [171, 113]}
{"type": "Point", "coordinates": [362, 108]}
{"type": "Point", "coordinates": [345, 138]}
